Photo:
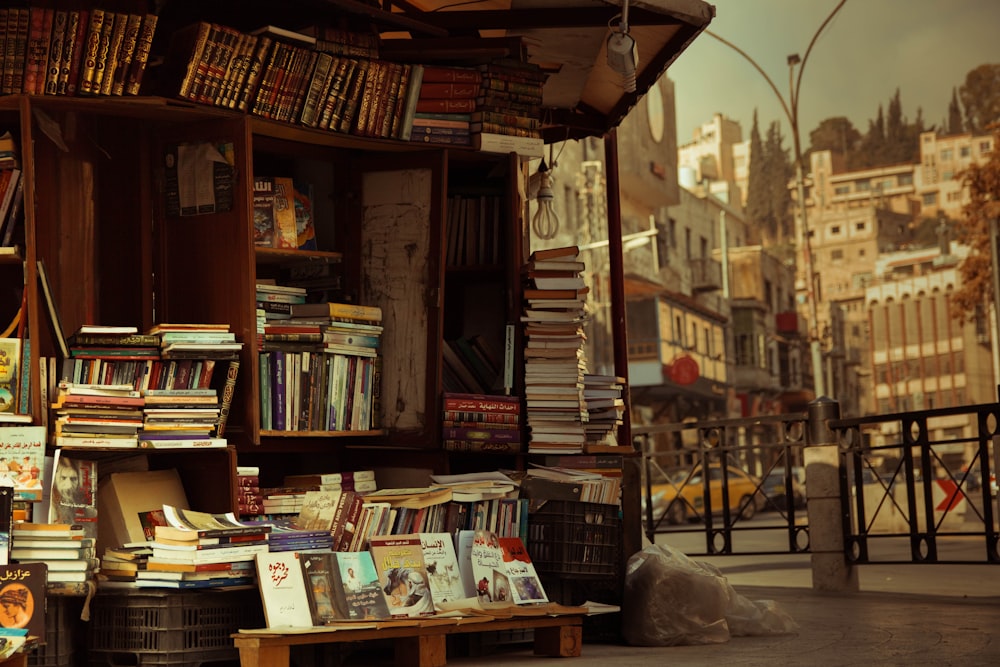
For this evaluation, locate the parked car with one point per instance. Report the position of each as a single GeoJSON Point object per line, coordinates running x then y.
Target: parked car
{"type": "Point", "coordinates": [680, 493]}
{"type": "Point", "coordinates": [775, 493]}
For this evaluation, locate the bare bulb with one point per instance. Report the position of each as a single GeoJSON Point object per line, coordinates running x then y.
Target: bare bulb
{"type": "Point", "coordinates": [545, 222]}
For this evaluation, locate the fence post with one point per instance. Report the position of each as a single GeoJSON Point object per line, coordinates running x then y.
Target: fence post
{"type": "Point", "coordinates": [831, 570]}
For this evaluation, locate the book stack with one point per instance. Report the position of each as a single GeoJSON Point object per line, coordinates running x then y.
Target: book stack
{"type": "Point", "coordinates": [119, 566]}
{"type": "Point", "coordinates": [250, 499]}
{"type": "Point", "coordinates": [481, 423]}
{"type": "Point", "coordinates": [63, 547]}
{"type": "Point", "coordinates": [180, 418]}
{"type": "Point", "coordinates": [202, 550]}
{"type": "Point", "coordinates": [605, 405]}
{"type": "Point", "coordinates": [97, 415]}
{"type": "Point", "coordinates": [110, 355]}
{"type": "Point", "coordinates": [361, 481]}
{"type": "Point", "coordinates": [445, 104]}
{"type": "Point", "coordinates": [554, 357]}
{"type": "Point", "coordinates": [195, 341]}
{"type": "Point", "coordinates": [287, 535]}
{"type": "Point", "coordinates": [11, 194]}
{"type": "Point", "coordinates": [553, 483]}
{"type": "Point", "coordinates": [507, 117]}
{"type": "Point", "coordinates": [75, 52]}
{"type": "Point", "coordinates": [274, 302]}
{"type": "Point", "coordinates": [318, 369]}
{"type": "Point", "coordinates": [281, 502]}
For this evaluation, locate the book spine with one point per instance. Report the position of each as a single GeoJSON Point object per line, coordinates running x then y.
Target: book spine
{"type": "Point", "coordinates": [202, 68]}
{"type": "Point", "coordinates": [481, 446]}
{"type": "Point", "coordinates": [376, 73]}
{"type": "Point", "coordinates": [255, 70]}
{"type": "Point", "coordinates": [359, 82]}
{"type": "Point", "coordinates": [75, 54]}
{"type": "Point", "coordinates": [20, 50]}
{"type": "Point", "coordinates": [126, 53]}
{"type": "Point", "coordinates": [485, 435]}
{"type": "Point", "coordinates": [4, 42]}
{"type": "Point", "coordinates": [193, 54]}
{"type": "Point", "coordinates": [58, 35]}
{"type": "Point", "coordinates": [92, 45]}
{"type": "Point", "coordinates": [117, 38]}
{"type": "Point", "coordinates": [237, 76]}
{"type": "Point", "coordinates": [36, 59]}
{"type": "Point", "coordinates": [215, 75]}
{"type": "Point", "coordinates": [318, 85]}
{"type": "Point", "coordinates": [108, 28]}
{"type": "Point", "coordinates": [475, 418]}
{"type": "Point", "coordinates": [446, 105]}
{"type": "Point", "coordinates": [143, 45]}
{"type": "Point", "coordinates": [299, 93]}
{"type": "Point", "coordinates": [437, 74]}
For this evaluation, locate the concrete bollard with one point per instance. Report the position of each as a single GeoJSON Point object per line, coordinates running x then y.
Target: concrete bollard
{"type": "Point", "coordinates": [831, 571]}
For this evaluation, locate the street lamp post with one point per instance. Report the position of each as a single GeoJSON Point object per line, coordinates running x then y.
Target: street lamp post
{"type": "Point", "coordinates": [791, 109]}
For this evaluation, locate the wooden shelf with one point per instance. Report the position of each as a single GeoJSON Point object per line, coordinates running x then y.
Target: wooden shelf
{"type": "Point", "coordinates": [286, 256]}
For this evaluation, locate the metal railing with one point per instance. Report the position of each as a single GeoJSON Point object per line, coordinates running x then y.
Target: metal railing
{"type": "Point", "coordinates": [742, 457]}
{"type": "Point", "coordinates": [920, 487]}
{"type": "Point", "coordinates": [915, 487]}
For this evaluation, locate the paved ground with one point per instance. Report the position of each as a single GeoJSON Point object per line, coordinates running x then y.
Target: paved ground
{"type": "Point", "coordinates": [872, 627]}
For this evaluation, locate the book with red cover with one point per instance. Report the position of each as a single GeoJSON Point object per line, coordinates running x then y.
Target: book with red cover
{"type": "Point", "coordinates": [454, 90]}
{"type": "Point", "coordinates": [442, 74]}
{"type": "Point", "coordinates": [482, 403]}
{"type": "Point", "coordinates": [446, 105]}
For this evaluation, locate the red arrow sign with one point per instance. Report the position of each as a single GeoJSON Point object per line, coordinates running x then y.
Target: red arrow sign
{"type": "Point", "coordinates": [952, 495]}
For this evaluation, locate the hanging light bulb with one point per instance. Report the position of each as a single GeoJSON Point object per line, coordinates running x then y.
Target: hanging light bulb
{"type": "Point", "coordinates": [545, 222]}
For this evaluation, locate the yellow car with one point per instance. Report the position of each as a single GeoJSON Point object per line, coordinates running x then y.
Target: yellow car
{"type": "Point", "coordinates": [679, 494]}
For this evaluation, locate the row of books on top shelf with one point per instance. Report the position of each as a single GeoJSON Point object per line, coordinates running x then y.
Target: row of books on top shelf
{"type": "Point", "coordinates": [285, 75]}
{"type": "Point", "coordinates": [50, 51]}
{"type": "Point", "coordinates": [280, 74]}
{"type": "Point", "coordinates": [319, 362]}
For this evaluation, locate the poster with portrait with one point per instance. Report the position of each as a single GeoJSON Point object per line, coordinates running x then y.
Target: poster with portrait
{"type": "Point", "coordinates": [22, 597]}
{"type": "Point", "coordinates": [73, 495]}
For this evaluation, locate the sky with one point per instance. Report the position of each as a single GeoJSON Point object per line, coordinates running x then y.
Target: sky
{"type": "Point", "coordinates": [870, 48]}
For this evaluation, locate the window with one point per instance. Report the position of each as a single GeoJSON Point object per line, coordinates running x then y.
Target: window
{"type": "Point", "coordinates": [905, 179]}
{"type": "Point", "coordinates": [841, 190]}
{"type": "Point", "coordinates": [929, 199]}
{"type": "Point", "coordinates": [862, 186]}
{"type": "Point", "coordinates": [965, 151]}
{"type": "Point", "coordinates": [861, 252]}
{"type": "Point", "coordinates": [834, 230]}
{"type": "Point", "coordinates": [687, 242]}
{"type": "Point", "coordinates": [948, 175]}
{"type": "Point", "coordinates": [836, 254]}
{"type": "Point", "coordinates": [985, 147]}
{"type": "Point", "coordinates": [860, 226]}
{"type": "Point", "coordinates": [947, 154]}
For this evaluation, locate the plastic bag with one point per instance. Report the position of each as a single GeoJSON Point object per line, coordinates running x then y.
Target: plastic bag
{"type": "Point", "coordinates": [672, 600]}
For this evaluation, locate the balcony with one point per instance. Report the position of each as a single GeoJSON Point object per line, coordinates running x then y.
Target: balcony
{"type": "Point", "coordinates": [706, 275]}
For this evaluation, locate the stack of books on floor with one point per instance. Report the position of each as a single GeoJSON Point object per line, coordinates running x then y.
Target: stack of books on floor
{"type": "Point", "coordinates": [481, 423]}
{"type": "Point", "coordinates": [554, 359]}
{"type": "Point", "coordinates": [202, 550]}
{"type": "Point", "coordinates": [180, 418]}
{"type": "Point", "coordinates": [508, 109]}
{"type": "Point", "coordinates": [97, 415]}
{"type": "Point", "coordinates": [445, 104]}
{"type": "Point", "coordinates": [605, 408]}
{"type": "Point", "coordinates": [69, 555]}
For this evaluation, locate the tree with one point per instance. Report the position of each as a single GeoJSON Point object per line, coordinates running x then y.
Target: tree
{"type": "Point", "coordinates": [982, 182]}
{"type": "Point", "coordinates": [837, 135]}
{"type": "Point", "coordinates": [955, 124]}
{"type": "Point", "coordinates": [758, 207]}
{"type": "Point", "coordinates": [779, 174]}
{"type": "Point", "coordinates": [768, 197]}
{"type": "Point", "coordinates": [980, 96]}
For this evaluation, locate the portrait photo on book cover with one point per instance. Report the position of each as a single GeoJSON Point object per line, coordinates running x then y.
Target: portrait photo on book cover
{"type": "Point", "coordinates": [407, 591]}
{"type": "Point", "coordinates": [17, 605]}
{"type": "Point", "coordinates": [72, 493]}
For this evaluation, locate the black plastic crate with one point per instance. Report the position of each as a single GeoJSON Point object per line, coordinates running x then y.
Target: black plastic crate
{"type": "Point", "coordinates": [170, 628]}
{"type": "Point", "coordinates": [567, 537]}
{"type": "Point", "coordinates": [63, 632]}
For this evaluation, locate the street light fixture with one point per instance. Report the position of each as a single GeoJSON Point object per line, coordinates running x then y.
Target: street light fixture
{"type": "Point", "coordinates": [791, 109]}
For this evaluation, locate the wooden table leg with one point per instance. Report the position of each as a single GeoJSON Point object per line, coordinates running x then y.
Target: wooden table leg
{"type": "Point", "coordinates": [422, 651]}
{"type": "Point", "coordinates": [565, 641]}
{"type": "Point", "coordinates": [252, 654]}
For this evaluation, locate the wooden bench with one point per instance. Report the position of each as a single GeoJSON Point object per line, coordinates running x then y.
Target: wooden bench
{"type": "Point", "coordinates": [418, 643]}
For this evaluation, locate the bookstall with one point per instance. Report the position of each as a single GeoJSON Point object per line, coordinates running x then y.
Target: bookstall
{"type": "Point", "coordinates": [229, 243]}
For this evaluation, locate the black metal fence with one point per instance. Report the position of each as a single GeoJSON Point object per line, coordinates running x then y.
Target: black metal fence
{"type": "Point", "coordinates": [915, 487]}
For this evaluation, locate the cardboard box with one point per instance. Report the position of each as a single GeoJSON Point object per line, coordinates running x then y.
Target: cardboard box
{"type": "Point", "coordinates": [127, 503]}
